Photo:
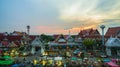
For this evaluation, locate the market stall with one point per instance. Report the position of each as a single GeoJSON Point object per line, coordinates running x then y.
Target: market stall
{"type": "Point", "coordinates": [112, 64]}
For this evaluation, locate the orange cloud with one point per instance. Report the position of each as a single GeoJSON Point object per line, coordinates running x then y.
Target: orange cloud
{"type": "Point", "coordinates": [49, 30]}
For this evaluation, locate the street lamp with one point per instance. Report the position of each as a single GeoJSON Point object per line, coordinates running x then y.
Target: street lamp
{"type": "Point", "coordinates": [102, 27]}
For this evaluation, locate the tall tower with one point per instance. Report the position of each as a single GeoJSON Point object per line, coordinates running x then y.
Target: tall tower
{"type": "Point", "coordinates": [28, 29]}
{"type": "Point", "coordinates": [102, 27]}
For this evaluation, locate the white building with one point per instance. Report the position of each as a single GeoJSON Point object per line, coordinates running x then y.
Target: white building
{"type": "Point", "coordinates": [113, 46]}
{"type": "Point", "coordinates": [37, 46]}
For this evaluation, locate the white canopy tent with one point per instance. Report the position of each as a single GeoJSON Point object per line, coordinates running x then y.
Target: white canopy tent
{"type": "Point", "coordinates": [112, 42]}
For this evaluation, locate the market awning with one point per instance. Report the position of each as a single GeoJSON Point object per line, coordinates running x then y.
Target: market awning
{"type": "Point", "coordinates": [106, 60]}
{"type": "Point", "coordinates": [7, 57]}
{"type": "Point", "coordinates": [112, 64]}
{"type": "Point", "coordinates": [74, 58]}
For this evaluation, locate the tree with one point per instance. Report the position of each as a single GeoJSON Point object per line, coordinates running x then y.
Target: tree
{"type": "Point", "coordinates": [88, 43]}
{"type": "Point", "coordinates": [46, 38]}
{"type": "Point", "coordinates": [98, 43]}
{"type": "Point", "coordinates": [46, 46]}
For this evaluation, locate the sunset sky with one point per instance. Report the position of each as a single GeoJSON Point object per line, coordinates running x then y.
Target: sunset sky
{"type": "Point", "coordinates": [58, 16]}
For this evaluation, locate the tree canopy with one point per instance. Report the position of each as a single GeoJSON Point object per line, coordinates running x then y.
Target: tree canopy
{"type": "Point", "coordinates": [88, 42]}
{"type": "Point", "coordinates": [46, 38]}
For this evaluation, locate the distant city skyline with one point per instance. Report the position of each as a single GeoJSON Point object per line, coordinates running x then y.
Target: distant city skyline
{"type": "Point", "coordinates": [58, 16]}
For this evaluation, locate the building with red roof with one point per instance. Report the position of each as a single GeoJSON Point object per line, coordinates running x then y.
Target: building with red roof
{"type": "Point", "coordinates": [17, 40]}
{"type": "Point", "coordinates": [63, 41]}
{"type": "Point", "coordinates": [113, 31]}
{"type": "Point", "coordinates": [5, 42]}
{"type": "Point", "coordinates": [89, 33]}
{"type": "Point", "coordinates": [56, 36]}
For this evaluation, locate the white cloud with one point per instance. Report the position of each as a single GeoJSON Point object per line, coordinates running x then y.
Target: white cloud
{"type": "Point", "coordinates": [87, 12]}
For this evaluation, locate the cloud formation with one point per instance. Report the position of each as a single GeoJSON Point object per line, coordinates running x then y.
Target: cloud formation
{"type": "Point", "coordinates": [58, 16]}
{"type": "Point", "coordinates": [91, 13]}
